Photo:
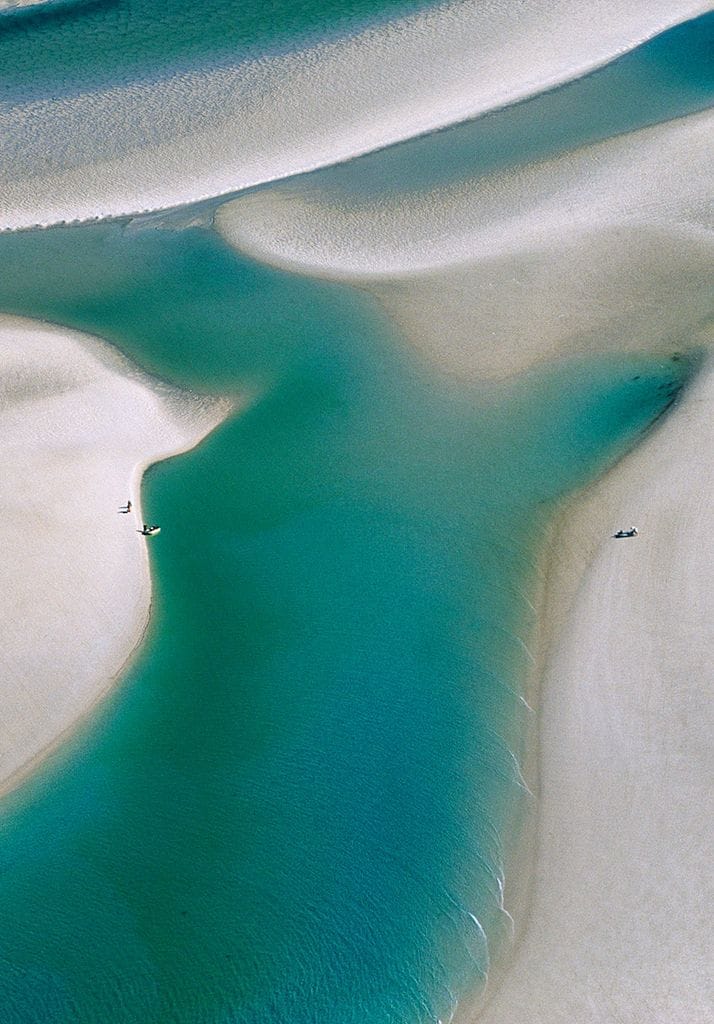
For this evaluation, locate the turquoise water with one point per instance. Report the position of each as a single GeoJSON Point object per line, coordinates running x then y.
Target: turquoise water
{"type": "Point", "coordinates": [80, 45]}
{"type": "Point", "coordinates": [292, 806]}
{"type": "Point", "coordinates": [293, 810]}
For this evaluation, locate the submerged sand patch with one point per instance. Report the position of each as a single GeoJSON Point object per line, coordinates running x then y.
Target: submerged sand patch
{"type": "Point", "coordinates": [607, 248]}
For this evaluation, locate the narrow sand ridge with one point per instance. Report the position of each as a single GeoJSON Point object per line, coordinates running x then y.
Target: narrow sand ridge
{"type": "Point", "coordinates": [619, 928]}
{"type": "Point", "coordinates": [606, 247]}
{"type": "Point", "coordinates": [78, 425]}
{"type": "Point", "coordinates": [154, 145]}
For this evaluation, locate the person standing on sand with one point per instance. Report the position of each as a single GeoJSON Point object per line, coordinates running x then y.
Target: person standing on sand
{"type": "Point", "coordinates": [126, 508]}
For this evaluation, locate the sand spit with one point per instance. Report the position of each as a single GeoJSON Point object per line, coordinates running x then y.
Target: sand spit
{"type": "Point", "coordinates": [656, 175]}
{"type": "Point", "coordinates": [606, 247]}
{"type": "Point", "coordinates": [78, 425]}
{"type": "Point", "coordinates": [619, 923]}
{"type": "Point", "coordinates": [152, 145]}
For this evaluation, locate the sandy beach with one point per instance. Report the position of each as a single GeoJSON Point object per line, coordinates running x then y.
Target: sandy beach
{"type": "Point", "coordinates": [617, 924]}
{"type": "Point", "coordinates": [79, 426]}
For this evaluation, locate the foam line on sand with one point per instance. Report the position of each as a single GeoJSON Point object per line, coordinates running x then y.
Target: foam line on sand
{"type": "Point", "coordinates": [150, 145]}
{"type": "Point", "coordinates": [79, 425]}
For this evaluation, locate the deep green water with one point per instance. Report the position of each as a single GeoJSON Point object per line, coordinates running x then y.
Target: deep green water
{"type": "Point", "coordinates": [293, 804]}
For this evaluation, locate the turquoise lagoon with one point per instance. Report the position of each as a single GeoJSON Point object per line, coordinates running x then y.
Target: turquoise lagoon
{"type": "Point", "coordinates": [294, 807]}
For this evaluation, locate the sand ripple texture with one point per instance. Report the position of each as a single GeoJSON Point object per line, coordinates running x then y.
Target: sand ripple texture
{"type": "Point", "coordinates": [161, 140]}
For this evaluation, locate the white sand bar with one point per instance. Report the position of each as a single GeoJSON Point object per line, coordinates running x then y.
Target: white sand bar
{"type": "Point", "coordinates": [620, 924]}
{"type": "Point", "coordinates": [154, 144]}
{"type": "Point", "coordinates": [78, 426]}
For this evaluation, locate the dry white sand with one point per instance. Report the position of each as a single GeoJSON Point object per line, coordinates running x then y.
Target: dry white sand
{"type": "Point", "coordinates": [606, 249]}
{"type": "Point", "coordinates": [619, 926]}
{"type": "Point", "coordinates": [155, 144]}
{"type": "Point", "coordinates": [78, 427]}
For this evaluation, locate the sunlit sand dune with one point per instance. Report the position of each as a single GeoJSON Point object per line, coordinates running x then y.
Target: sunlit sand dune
{"type": "Point", "coordinates": [78, 426]}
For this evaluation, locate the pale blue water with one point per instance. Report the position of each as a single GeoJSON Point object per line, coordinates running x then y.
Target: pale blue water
{"type": "Point", "coordinates": [293, 808]}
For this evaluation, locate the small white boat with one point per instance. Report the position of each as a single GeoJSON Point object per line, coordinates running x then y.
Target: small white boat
{"type": "Point", "coordinates": [149, 531]}
{"type": "Point", "coordinates": [632, 532]}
